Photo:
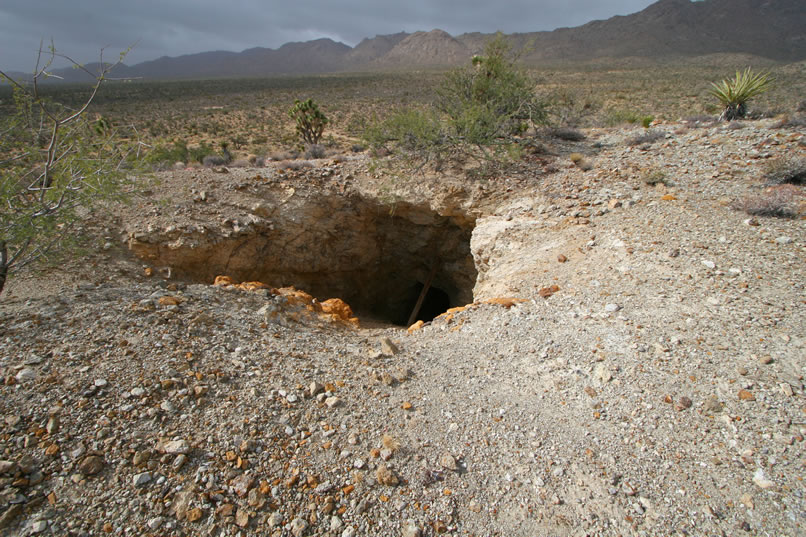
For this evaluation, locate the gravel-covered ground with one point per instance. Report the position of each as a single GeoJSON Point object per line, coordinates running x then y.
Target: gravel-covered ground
{"type": "Point", "coordinates": [657, 389]}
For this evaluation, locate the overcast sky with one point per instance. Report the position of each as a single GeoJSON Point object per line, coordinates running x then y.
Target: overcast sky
{"type": "Point", "coordinates": [81, 28]}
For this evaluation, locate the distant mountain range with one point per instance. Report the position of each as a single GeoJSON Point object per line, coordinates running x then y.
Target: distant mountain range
{"type": "Point", "coordinates": [774, 29]}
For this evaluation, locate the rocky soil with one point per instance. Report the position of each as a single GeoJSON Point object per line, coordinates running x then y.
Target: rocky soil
{"type": "Point", "coordinates": [641, 373]}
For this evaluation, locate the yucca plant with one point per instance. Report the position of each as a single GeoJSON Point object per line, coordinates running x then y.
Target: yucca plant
{"type": "Point", "coordinates": [734, 93]}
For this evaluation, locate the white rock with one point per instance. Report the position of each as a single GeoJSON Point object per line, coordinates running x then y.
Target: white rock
{"type": "Point", "coordinates": [298, 527]}
{"type": "Point", "coordinates": [100, 383]}
{"type": "Point", "coordinates": [335, 523]}
{"type": "Point", "coordinates": [348, 532]}
{"type": "Point", "coordinates": [332, 402]}
{"type": "Point", "coordinates": [141, 479]}
{"type": "Point", "coordinates": [612, 308]}
{"type": "Point", "coordinates": [26, 375]}
{"type": "Point", "coordinates": [761, 480]}
{"type": "Point", "coordinates": [709, 264]}
{"type": "Point", "coordinates": [176, 447]}
{"type": "Point", "coordinates": [783, 240]}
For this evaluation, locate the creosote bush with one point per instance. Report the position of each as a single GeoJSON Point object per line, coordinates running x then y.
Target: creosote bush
{"type": "Point", "coordinates": [790, 170]}
{"type": "Point", "coordinates": [481, 111]}
{"type": "Point", "coordinates": [782, 201]}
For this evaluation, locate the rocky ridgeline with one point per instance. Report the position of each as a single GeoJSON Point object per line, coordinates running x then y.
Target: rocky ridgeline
{"type": "Point", "coordinates": [645, 378]}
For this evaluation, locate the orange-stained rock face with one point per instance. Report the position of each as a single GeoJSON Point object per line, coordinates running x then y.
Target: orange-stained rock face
{"type": "Point", "coordinates": [337, 306]}
{"type": "Point", "coordinates": [295, 297]}
{"type": "Point", "coordinates": [254, 286]}
{"type": "Point", "coordinates": [298, 305]}
{"type": "Point", "coordinates": [223, 280]}
{"type": "Point", "coordinates": [416, 326]}
{"type": "Point", "coordinates": [507, 302]}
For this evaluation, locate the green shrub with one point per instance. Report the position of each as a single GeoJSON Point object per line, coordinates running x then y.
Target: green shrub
{"type": "Point", "coordinates": [413, 131]}
{"type": "Point", "coordinates": [491, 100]}
{"type": "Point", "coordinates": [734, 94]}
{"type": "Point", "coordinates": [197, 154]}
{"type": "Point", "coordinates": [165, 156]}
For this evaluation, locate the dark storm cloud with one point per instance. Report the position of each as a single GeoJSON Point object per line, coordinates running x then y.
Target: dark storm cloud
{"type": "Point", "coordinates": [81, 28]}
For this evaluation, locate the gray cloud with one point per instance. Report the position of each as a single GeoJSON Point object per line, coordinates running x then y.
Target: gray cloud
{"type": "Point", "coordinates": [82, 28]}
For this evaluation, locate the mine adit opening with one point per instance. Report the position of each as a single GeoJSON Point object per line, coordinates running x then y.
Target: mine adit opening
{"type": "Point", "coordinates": [382, 259]}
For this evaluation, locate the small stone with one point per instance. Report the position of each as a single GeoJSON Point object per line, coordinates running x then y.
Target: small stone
{"type": "Point", "coordinates": [349, 531]}
{"type": "Point", "coordinates": [10, 515]}
{"type": "Point", "coordinates": [712, 406]}
{"type": "Point", "coordinates": [256, 498]}
{"type": "Point", "coordinates": [335, 523]}
{"type": "Point", "coordinates": [100, 383]}
{"type": "Point", "coordinates": [298, 527]}
{"type": "Point", "coordinates": [546, 292]}
{"type": "Point", "coordinates": [137, 392]}
{"type": "Point", "coordinates": [315, 388]}
{"type": "Point", "coordinates": [674, 253]}
{"type": "Point", "coordinates": [178, 462]}
{"type": "Point", "coordinates": [741, 370]}
{"type": "Point", "coordinates": [612, 308]}
{"type": "Point", "coordinates": [410, 529]}
{"type": "Point", "coordinates": [155, 523]}
{"type": "Point", "coordinates": [764, 360]}
{"type": "Point", "coordinates": [751, 222]}
{"type": "Point", "coordinates": [560, 259]}
{"type": "Point", "coordinates": [388, 348]}
{"type": "Point", "coordinates": [177, 447]}
{"type": "Point", "coordinates": [39, 526]}
{"type": "Point", "coordinates": [783, 240]}
{"type": "Point", "coordinates": [385, 476]}
{"type": "Point", "coordinates": [141, 479]}
{"type": "Point", "coordinates": [761, 480]}
{"type": "Point", "coordinates": [786, 389]}
{"type": "Point", "coordinates": [53, 425]}
{"type": "Point", "coordinates": [709, 264]}
{"type": "Point", "coordinates": [195, 514]}
{"type": "Point", "coordinates": [745, 395]}
{"type": "Point", "coordinates": [141, 457]}
{"type": "Point", "coordinates": [25, 375]}
{"type": "Point", "coordinates": [447, 461]}
{"type": "Point", "coordinates": [275, 519]}
{"type": "Point", "coordinates": [386, 453]}
{"type": "Point", "coordinates": [167, 406]}
{"type": "Point", "coordinates": [332, 402]}
{"type": "Point", "coordinates": [242, 484]}
{"type": "Point", "coordinates": [242, 517]}
{"type": "Point", "coordinates": [292, 398]}
{"type": "Point", "coordinates": [8, 467]}
{"type": "Point", "coordinates": [682, 404]}
{"type": "Point", "coordinates": [91, 465]}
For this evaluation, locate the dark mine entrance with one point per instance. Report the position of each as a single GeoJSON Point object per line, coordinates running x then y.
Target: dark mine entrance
{"type": "Point", "coordinates": [392, 265]}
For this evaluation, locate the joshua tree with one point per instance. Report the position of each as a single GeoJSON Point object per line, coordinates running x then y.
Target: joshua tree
{"type": "Point", "coordinates": [309, 119]}
{"type": "Point", "coordinates": [734, 93]}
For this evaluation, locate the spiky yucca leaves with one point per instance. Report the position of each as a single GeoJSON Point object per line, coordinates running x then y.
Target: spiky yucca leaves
{"type": "Point", "coordinates": [734, 93]}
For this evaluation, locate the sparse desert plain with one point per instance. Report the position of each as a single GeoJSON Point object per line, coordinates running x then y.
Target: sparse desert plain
{"type": "Point", "coordinates": [611, 334]}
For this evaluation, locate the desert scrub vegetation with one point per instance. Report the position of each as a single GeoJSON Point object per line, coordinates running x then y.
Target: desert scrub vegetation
{"type": "Point", "coordinates": [56, 166]}
{"type": "Point", "coordinates": [782, 201]}
{"type": "Point", "coordinates": [480, 111]}
{"type": "Point", "coordinates": [735, 93]}
{"type": "Point", "coordinates": [790, 170]}
{"type": "Point", "coordinates": [645, 138]}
